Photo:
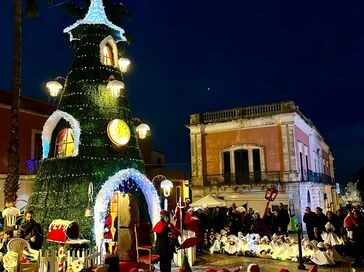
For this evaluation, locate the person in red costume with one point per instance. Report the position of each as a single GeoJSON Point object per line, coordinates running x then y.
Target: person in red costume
{"type": "Point", "coordinates": [180, 208]}
{"type": "Point", "coordinates": [107, 230]}
{"type": "Point", "coordinates": [191, 222]}
{"type": "Point", "coordinates": [166, 242]}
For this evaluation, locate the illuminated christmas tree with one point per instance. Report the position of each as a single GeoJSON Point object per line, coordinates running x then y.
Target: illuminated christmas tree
{"type": "Point", "coordinates": [91, 137]}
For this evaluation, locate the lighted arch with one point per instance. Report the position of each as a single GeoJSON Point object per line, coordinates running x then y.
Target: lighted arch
{"type": "Point", "coordinates": [105, 194]}
{"type": "Point", "coordinates": [50, 125]}
{"type": "Point", "coordinates": [109, 40]}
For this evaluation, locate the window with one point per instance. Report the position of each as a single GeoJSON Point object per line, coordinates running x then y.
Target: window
{"type": "Point", "coordinates": [241, 159]}
{"type": "Point", "coordinates": [227, 171]}
{"type": "Point", "coordinates": [257, 168]}
{"type": "Point", "coordinates": [64, 143]}
{"type": "Point", "coordinates": [36, 147]}
{"type": "Point", "coordinates": [178, 194]}
{"type": "Point", "coordinates": [108, 57]}
{"type": "Point", "coordinates": [244, 162]}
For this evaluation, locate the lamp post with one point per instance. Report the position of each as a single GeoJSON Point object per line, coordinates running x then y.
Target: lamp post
{"type": "Point", "coordinates": [270, 195]}
{"type": "Point", "coordinates": [55, 86]}
{"type": "Point", "coordinates": [123, 64]}
{"type": "Point", "coordinates": [142, 130]}
{"type": "Point", "coordinates": [166, 186]}
{"type": "Point", "coordinates": [301, 266]}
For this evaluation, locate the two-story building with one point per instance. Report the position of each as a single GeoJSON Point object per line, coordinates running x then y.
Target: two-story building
{"type": "Point", "coordinates": [237, 153]}
{"type": "Point", "coordinates": [33, 115]}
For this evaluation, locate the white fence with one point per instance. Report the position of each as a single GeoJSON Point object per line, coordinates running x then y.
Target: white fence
{"type": "Point", "coordinates": [51, 261]}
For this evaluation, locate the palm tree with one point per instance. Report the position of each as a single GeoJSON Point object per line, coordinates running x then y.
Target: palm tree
{"type": "Point", "coordinates": [11, 185]}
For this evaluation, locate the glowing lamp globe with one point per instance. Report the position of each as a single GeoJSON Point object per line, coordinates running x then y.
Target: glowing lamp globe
{"type": "Point", "coordinates": [166, 186]}
{"type": "Point", "coordinates": [124, 64]}
{"type": "Point", "coordinates": [89, 212]}
{"type": "Point", "coordinates": [54, 87]}
{"type": "Point", "coordinates": [142, 130]}
{"type": "Point", "coordinates": [115, 86]}
{"type": "Point", "coordinates": [271, 193]}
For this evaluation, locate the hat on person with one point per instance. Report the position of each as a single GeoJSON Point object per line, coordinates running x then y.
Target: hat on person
{"type": "Point", "coordinates": [321, 245]}
{"type": "Point", "coordinates": [164, 213]}
{"type": "Point", "coordinates": [253, 268]}
{"type": "Point", "coordinates": [329, 226]}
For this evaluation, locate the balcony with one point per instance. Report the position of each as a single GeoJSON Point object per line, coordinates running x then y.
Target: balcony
{"type": "Point", "coordinates": [260, 178]}
{"type": "Point", "coordinates": [243, 113]}
{"type": "Point", "coordinates": [309, 175]}
{"type": "Point", "coordinates": [32, 166]}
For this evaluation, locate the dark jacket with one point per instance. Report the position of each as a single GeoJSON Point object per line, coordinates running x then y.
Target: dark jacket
{"type": "Point", "coordinates": [31, 229]}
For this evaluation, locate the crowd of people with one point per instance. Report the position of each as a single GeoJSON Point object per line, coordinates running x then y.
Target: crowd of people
{"type": "Point", "coordinates": [24, 227]}
{"type": "Point", "coordinates": [331, 237]}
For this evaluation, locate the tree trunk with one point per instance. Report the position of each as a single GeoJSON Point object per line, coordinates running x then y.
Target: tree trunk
{"type": "Point", "coordinates": [11, 185]}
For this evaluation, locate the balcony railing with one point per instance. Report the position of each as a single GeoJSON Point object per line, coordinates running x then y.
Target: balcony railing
{"type": "Point", "coordinates": [32, 166]}
{"type": "Point", "coordinates": [244, 112]}
{"type": "Point", "coordinates": [309, 175]}
{"type": "Point", "coordinates": [258, 178]}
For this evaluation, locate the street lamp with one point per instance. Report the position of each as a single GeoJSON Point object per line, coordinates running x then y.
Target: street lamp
{"type": "Point", "coordinates": [142, 130]}
{"type": "Point", "coordinates": [124, 64]}
{"type": "Point", "coordinates": [166, 186]}
{"type": "Point", "coordinates": [270, 195]}
{"type": "Point", "coordinates": [54, 87]}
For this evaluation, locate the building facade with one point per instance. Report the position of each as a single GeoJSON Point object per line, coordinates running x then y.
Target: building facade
{"type": "Point", "coordinates": [33, 115]}
{"type": "Point", "coordinates": [237, 153]}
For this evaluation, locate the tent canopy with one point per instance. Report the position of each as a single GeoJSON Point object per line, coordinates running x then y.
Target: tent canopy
{"type": "Point", "coordinates": [210, 201]}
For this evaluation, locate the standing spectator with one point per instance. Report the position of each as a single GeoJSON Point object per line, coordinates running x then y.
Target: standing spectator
{"type": "Point", "coordinates": [283, 219]}
{"type": "Point", "coordinates": [321, 219]}
{"type": "Point", "coordinates": [235, 222]}
{"type": "Point", "coordinates": [275, 222]}
{"type": "Point", "coordinates": [31, 231]}
{"type": "Point", "coordinates": [259, 226]}
{"type": "Point", "coordinates": [166, 242]}
{"type": "Point", "coordinates": [340, 217]}
{"type": "Point", "coordinates": [354, 235]}
{"type": "Point", "coordinates": [217, 223]}
{"type": "Point", "coordinates": [268, 221]}
{"type": "Point", "coordinates": [248, 221]}
{"type": "Point", "coordinates": [334, 220]}
{"type": "Point", "coordinates": [309, 219]}
{"type": "Point", "coordinates": [203, 228]}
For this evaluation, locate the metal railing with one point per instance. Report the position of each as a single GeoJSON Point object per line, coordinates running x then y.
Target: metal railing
{"type": "Point", "coordinates": [257, 178]}
{"type": "Point", "coordinates": [244, 112]}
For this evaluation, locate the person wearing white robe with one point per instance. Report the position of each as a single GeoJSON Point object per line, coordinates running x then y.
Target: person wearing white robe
{"type": "Point", "coordinates": [321, 257]}
{"type": "Point", "coordinates": [330, 237]}
{"type": "Point", "coordinates": [216, 245]}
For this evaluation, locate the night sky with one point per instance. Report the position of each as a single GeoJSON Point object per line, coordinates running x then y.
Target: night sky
{"type": "Point", "coordinates": [198, 56]}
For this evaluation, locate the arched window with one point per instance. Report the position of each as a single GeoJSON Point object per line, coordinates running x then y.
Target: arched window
{"type": "Point", "coordinates": [64, 143]}
{"type": "Point", "coordinates": [108, 57]}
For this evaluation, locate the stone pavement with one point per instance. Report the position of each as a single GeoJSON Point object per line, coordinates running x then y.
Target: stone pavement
{"type": "Point", "coordinates": [207, 260]}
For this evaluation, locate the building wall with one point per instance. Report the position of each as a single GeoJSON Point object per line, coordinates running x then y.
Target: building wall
{"type": "Point", "coordinates": [269, 138]}
{"type": "Point", "coordinates": [29, 123]}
